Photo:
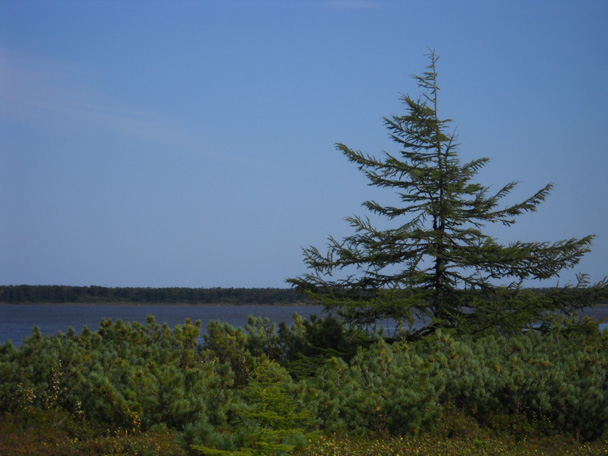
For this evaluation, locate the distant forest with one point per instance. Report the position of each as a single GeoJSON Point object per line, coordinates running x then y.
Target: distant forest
{"type": "Point", "coordinates": [24, 294]}
{"type": "Point", "coordinates": [21, 294]}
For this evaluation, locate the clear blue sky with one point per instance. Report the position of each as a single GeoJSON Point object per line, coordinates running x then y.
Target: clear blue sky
{"type": "Point", "coordinates": [191, 143]}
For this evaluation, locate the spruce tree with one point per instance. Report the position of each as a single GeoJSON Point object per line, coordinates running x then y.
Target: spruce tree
{"type": "Point", "coordinates": [437, 263]}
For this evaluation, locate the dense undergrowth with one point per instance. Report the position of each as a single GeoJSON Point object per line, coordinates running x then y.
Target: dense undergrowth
{"type": "Point", "coordinates": [313, 387]}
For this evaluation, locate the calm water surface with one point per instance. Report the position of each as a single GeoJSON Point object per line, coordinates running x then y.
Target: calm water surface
{"type": "Point", "coordinates": [18, 320]}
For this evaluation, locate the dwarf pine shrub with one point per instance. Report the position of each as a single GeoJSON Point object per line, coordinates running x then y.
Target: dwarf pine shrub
{"type": "Point", "coordinates": [127, 376]}
{"type": "Point", "coordinates": [271, 418]}
{"type": "Point", "coordinates": [556, 381]}
{"type": "Point", "coordinates": [385, 388]}
{"type": "Point", "coordinates": [228, 395]}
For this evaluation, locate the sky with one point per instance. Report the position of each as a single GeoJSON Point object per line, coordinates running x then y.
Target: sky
{"type": "Point", "coordinates": [192, 143]}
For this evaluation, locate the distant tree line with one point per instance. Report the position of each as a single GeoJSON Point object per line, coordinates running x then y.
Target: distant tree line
{"type": "Point", "coordinates": [22, 294]}
{"type": "Point", "coordinates": [18, 294]}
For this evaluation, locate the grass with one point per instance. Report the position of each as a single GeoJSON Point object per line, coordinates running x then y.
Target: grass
{"type": "Point", "coordinates": [52, 434]}
{"type": "Point", "coordinates": [495, 445]}
{"type": "Point", "coordinates": [33, 442]}
{"type": "Point", "coordinates": [460, 435]}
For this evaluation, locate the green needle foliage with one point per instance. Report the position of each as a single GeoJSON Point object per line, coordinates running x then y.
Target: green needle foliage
{"type": "Point", "coordinates": [123, 376]}
{"type": "Point", "coordinates": [553, 381]}
{"type": "Point", "coordinates": [130, 388]}
{"type": "Point", "coordinates": [271, 420]}
{"type": "Point", "coordinates": [437, 263]}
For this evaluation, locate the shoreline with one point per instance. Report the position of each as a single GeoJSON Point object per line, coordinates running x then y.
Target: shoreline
{"type": "Point", "coordinates": [166, 304]}
{"type": "Point", "coordinates": [136, 304]}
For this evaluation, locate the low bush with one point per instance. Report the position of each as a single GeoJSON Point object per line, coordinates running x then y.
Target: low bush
{"type": "Point", "coordinates": [555, 382]}
{"type": "Point", "coordinates": [121, 377]}
{"type": "Point", "coordinates": [126, 388]}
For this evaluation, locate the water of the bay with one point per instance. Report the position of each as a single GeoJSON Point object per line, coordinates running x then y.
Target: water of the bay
{"type": "Point", "coordinates": [18, 320]}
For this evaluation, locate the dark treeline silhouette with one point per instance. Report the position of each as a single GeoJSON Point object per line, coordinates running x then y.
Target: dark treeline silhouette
{"type": "Point", "coordinates": [23, 294]}
{"type": "Point", "coordinates": [19, 294]}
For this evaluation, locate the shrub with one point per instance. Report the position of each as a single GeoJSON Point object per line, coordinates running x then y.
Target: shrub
{"type": "Point", "coordinates": [553, 382]}
{"type": "Point", "coordinates": [385, 388]}
{"type": "Point", "coordinates": [122, 377]}
{"type": "Point", "coordinates": [271, 418]}
{"type": "Point", "coordinates": [231, 395]}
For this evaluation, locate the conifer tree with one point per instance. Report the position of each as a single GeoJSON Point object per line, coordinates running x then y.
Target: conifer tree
{"type": "Point", "coordinates": [437, 263]}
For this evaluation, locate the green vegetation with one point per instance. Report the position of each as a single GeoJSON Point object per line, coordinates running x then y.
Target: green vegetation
{"type": "Point", "coordinates": [436, 263]}
{"type": "Point", "coordinates": [314, 387]}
